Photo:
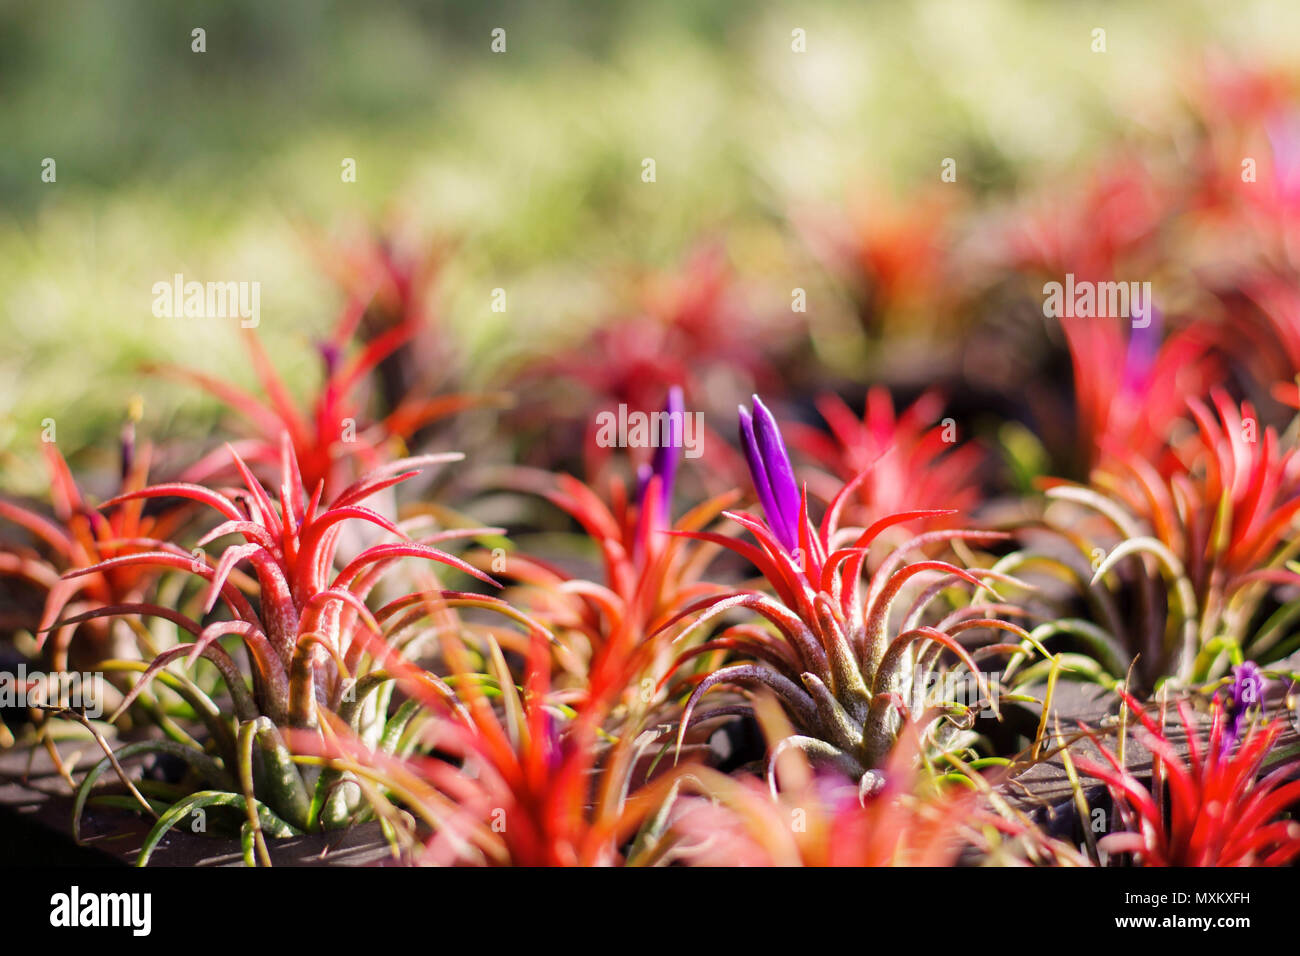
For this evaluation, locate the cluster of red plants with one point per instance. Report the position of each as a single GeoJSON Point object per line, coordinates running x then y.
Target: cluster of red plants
{"type": "Point", "coordinates": [645, 670]}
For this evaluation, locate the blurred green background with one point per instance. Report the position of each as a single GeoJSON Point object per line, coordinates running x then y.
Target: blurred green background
{"type": "Point", "coordinates": [222, 165]}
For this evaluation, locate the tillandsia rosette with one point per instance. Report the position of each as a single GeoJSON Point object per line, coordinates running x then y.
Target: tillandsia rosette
{"type": "Point", "coordinates": [914, 457]}
{"type": "Point", "coordinates": [334, 441]}
{"type": "Point", "coordinates": [647, 569]}
{"type": "Point", "coordinates": [1132, 382]}
{"type": "Point", "coordinates": [534, 781]}
{"type": "Point", "coordinates": [1198, 544]}
{"type": "Point", "coordinates": [313, 645]}
{"type": "Point", "coordinates": [1222, 804]}
{"type": "Point", "coordinates": [846, 666]}
{"type": "Point", "coordinates": [80, 537]}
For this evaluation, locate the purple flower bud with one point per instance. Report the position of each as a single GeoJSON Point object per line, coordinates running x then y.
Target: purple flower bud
{"type": "Point", "coordinates": [643, 475]}
{"type": "Point", "coordinates": [1247, 692]}
{"type": "Point", "coordinates": [667, 453]}
{"type": "Point", "coordinates": [1143, 347]}
{"type": "Point", "coordinates": [771, 472]}
{"type": "Point", "coordinates": [553, 744]}
{"type": "Point", "coordinates": [330, 355]}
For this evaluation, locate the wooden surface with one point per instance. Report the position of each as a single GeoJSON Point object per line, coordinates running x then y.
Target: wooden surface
{"type": "Point", "coordinates": [1043, 790]}
{"type": "Point", "coordinates": [35, 797]}
{"type": "Point", "coordinates": [36, 802]}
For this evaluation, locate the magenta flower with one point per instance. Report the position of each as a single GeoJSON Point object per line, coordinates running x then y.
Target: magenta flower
{"type": "Point", "coordinates": [1247, 693]}
{"type": "Point", "coordinates": [1283, 133]}
{"type": "Point", "coordinates": [1143, 350]}
{"type": "Point", "coordinates": [664, 462]}
{"type": "Point", "coordinates": [331, 357]}
{"type": "Point", "coordinates": [769, 467]}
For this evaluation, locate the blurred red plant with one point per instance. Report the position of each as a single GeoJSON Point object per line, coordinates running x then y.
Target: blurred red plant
{"type": "Point", "coordinates": [912, 460]}
{"type": "Point", "coordinates": [648, 570]}
{"type": "Point", "coordinates": [827, 820]}
{"type": "Point", "coordinates": [538, 784]}
{"type": "Point", "coordinates": [1100, 230]}
{"type": "Point", "coordinates": [692, 327]}
{"type": "Point", "coordinates": [333, 439]}
{"type": "Point", "coordinates": [1209, 809]}
{"type": "Point", "coordinates": [1131, 389]}
{"type": "Point", "coordinates": [897, 257]}
{"type": "Point", "coordinates": [79, 539]}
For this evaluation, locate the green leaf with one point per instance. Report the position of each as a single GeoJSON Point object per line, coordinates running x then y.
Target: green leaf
{"type": "Point", "coordinates": [207, 767]}
{"type": "Point", "coordinates": [271, 823]}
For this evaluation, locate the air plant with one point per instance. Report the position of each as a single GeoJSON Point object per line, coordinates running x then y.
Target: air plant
{"type": "Point", "coordinates": [1211, 808]}
{"type": "Point", "coordinates": [842, 671]}
{"type": "Point", "coordinates": [334, 440]}
{"type": "Point", "coordinates": [894, 256]}
{"type": "Point", "coordinates": [691, 326]}
{"type": "Point", "coordinates": [1205, 534]}
{"type": "Point", "coordinates": [905, 817]}
{"type": "Point", "coordinates": [79, 538]}
{"type": "Point", "coordinates": [313, 645]}
{"type": "Point", "coordinates": [1132, 384]}
{"type": "Point", "coordinates": [535, 782]}
{"type": "Point", "coordinates": [648, 572]}
{"type": "Point", "coordinates": [913, 457]}
{"type": "Point", "coordinates": [1110, 222]}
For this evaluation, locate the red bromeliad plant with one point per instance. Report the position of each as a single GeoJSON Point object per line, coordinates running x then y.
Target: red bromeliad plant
{"type": "Point", "coordinates": [80, 538]}
{"type": "Point", "coordinates": [1209, 809]}
{"type": "Point", "coordinates": [333, 439]}
{"type": "Point", "coordinates": [1132, 385]}
{"type": "Point", "coordinates": [692, 327]}
{"type": "Point", "coordinates": [535, 782]}
{"type": "Point", "coordinates": [648, 571]}
{"type": "Point", "coordinates": [310, 638]}
{"type": "Point", "coordinates": [842, 668]}
{"type": "Point", "coordinates": [895, 257]}
{"type": "Point", "coordinates": [823, 819]}
{"type": "Point", "coordinates": [1097, 230]}
{"type": "Point", "coordinates": [392, 273]}
{"type": "Point", "coordinates": [912, 459]}
{"type": "Point", "coordinates": [1211, 520]}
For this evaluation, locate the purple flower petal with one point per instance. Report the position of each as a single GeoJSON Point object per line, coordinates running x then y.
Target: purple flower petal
{"type": "Point", "coordinates": [664, 461]}
{"type": "Point", "coordinates": [330, 355]}
{"type": "Point", "coordinates": [1247, 692]}
{"type": "Point", "coordinates": [769, 467]}
{"type": "Point", "coordinates": [666, 456]}
{"type": "Point", "coordinates": [757, 471]}
{"type": "Point", "coordinates": [1143, 347]}
{"type": "Point", "coordinates": [780, 474]}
